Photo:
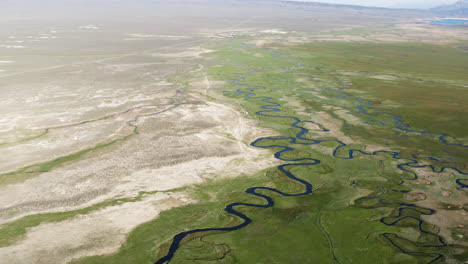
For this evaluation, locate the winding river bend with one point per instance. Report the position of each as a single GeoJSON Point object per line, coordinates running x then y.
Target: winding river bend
{"type": "Point", "coordinates": [273, 109]}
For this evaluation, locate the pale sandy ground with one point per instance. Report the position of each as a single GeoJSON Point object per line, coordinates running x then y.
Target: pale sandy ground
{"type": "Point", "coordinates": [97, 233]}
{"type": "Point", "coordinates": [450, 219]}
{"type": "Point", "coordinates": [90, 27]}
{"type": "Point", "coordinates": [403, 32]}
{"type": "Point", "coordinates": [274, 31]}
{"type": "Point", "coordinates": [12, 46]}
{"type": "Point", "coordinates": [181, 147]}
{"type": "Point", "coordinates": [137, 36]}
{"type": "Point", "coordinates": [333, 125]}
{"type": "Point", "coordinates": [190, 53]}
{"type": "Point", "coordinates": [385, 77]}
{"type": "Point", "coordinates": [345, 115]}
{"type": "Point", "coordinates": [61, 142]}
{"type": "Point", "coordinates": [211, 134]}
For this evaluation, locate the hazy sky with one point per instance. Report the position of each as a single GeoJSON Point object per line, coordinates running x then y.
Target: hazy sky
{"type": "Point", "coordinates": [389, 3]}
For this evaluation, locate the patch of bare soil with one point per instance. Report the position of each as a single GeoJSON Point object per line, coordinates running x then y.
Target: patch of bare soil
{"type": "Point", "coordinates": [449, 203]}
{"type": "Point", "coordinates": [385, 77]}
{"type": "Point", "coordinates": [174, 149]}
{"type": "Point", "coordinates": [333, 125]}
{"type": "Point", "coordinates": [101, 232]}
{"type": "Point", "coordinates": [181, 147]}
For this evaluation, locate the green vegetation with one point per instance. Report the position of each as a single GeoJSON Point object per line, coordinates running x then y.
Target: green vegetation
{"type": "Point", "coordinates": [415, 60]}
{"type": "Point", "coordinates": [279, 241]}
{"type": "Point", "coordinates": [355, 213]}
{"type": "Point", "coordinates": [425, 89]}
{"type": "Point", "coordinates": [45, 132]}
{"type": "Point", "coordinates": [325, 216]}
{"type": "Point", "coordinates": [424, 105]}
{"type": "Point", "coordinates": [142, 242]}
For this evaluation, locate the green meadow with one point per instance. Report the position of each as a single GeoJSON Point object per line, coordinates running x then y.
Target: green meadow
{"type": "Point", "coordinates": [430, 81]}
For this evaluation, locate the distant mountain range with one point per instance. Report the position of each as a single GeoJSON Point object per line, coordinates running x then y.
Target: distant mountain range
{"type": "Point", "coordinates": [321, 4]}
{"type": "Point", "coordinates": [459, 8]}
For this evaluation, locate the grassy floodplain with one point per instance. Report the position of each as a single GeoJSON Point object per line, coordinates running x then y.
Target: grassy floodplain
{"type": "Point", "coordinates": [425, 79]}
{"type": "Point", "coordinates": [359, 211]}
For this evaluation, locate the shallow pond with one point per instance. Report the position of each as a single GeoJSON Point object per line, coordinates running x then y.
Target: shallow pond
{"type": "Point", "coordinates": [450, 22]}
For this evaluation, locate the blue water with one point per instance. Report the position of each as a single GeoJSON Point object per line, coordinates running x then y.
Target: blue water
{"type": "Point", "coordinates": [450, 22]}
